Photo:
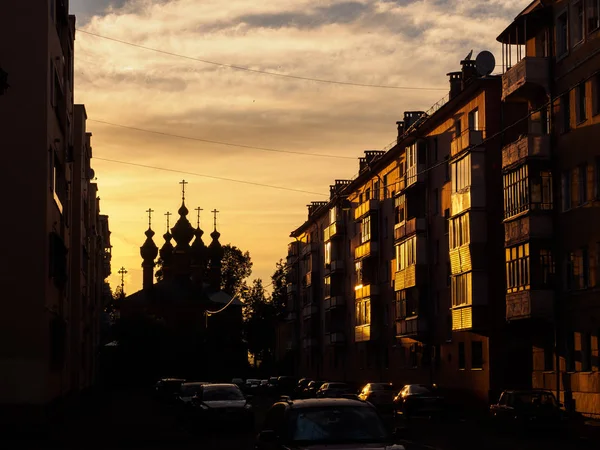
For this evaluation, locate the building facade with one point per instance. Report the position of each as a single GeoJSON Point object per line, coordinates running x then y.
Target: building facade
{"type": "Point", "coordinates": [551, 185]}
{"type": "Point", "coordinates": [56, 257]}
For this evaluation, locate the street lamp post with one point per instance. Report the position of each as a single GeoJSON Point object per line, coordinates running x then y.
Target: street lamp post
{"type": "Point", "coordinates": [3, 81]}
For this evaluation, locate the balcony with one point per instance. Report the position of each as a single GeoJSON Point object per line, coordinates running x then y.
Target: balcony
{"type": "Point", "coordinates": [308, 248]}
{"type": "Point", "coordinates": [517, 152]}
{"type": "Point", "coordinates": [334, 230]}
{"type": "Point", "coordinates": [362, 333]}
{"type": "Point", "coordinates": [530, 72]}
{"type": "Point", "coordinates": [337, 266]}
{"type": "Point", "coordinates": [408, 227]}
{"type": "Point", "coordinates": [365, 208]}
{"type": "Point", "coordinates": [411, 327]}
{"type": "Point", "coordinates": [467, 139]}
{"type": "Point", "coordinates": [334, 302]}
{"type": "Point", "coordinates": [310, 310]}
{"type": "Point", "coordinates": [293, 248]}
{"type": "Point", "coordinates": [406, 278]}
{"type": "Point", "coordinates": [536, 304]}
{"type": "Point", "coordinates": [291, 288]}
{"type": "Point", "coordinates": [337, 338]}
{"type": "Point", "coordinates": [365, 250]}
{"type": "Point", "coordinates": [308, 279]}
{"type": "Point", "coordinates": [365, 291]}
{"type": "Point", "coordinates": [468, 317]}
{"type": "Point", "coordinates": [525, 228]}
{"type": "Point", "coordinates": [460, 259]}
{"type": "Point", "coordinates": [471, 197]}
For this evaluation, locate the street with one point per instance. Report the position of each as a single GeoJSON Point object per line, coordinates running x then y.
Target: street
{"type": "Point", "coordinates": [132, 419]}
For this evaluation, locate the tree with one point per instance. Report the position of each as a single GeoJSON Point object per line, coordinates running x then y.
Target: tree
{"type": "Point", "coordinates": [259, 321]}
{"type": "Point", "coordinates": [280, 280]}
{"type": "Point", "coordinates": [236, 266]}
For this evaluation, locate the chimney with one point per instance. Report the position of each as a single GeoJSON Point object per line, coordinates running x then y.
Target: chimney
{"type": "Point", "coordinates": [411, 117]}
{"type": "Point", "coordinates": [455, 83]}
{"type": "Point", "coordinates": [400, 125]}
{"type": "Point", "coordinates": [469, 71]}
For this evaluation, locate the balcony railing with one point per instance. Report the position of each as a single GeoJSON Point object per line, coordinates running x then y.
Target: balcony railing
{"type": "Point", "coordinates": [309, 248]}
{"type": "Point", "coordinates": [310, 310]}
{"type": "Point", "coordinates": [334, 230]}
{"type": "Point", "coordinates": [468, 138]}
{"type": "Point", "coordinates": [365, 250]}
{"type": "Point", "coordinates": [365, 208]}
{"type": "Point", "coordinates": [365, 291]}
{"type": "Point", "coordinates": [411, 226]}
{"type": "Point", "coordinates": [405, 278]}
{"type": "Point", "coordinates": [536, 304]}
{"type": "Point", "coordinates": [528, 71]}
{"type": "Point", "coordinates": [462, 318]}
{"type": "Point", "coordinates": [526, 147]}
{"type": "Point", "coordinates": [528, 227]}
{"type": "Point", "coordinates": [414, 327]}
{"type": "Point", "coordinates": [336, 301]}
{"type": "Point", "coordinates": [460, 259]}
{"type": "Point", "coordinates": [362, 333]}
{"type": "Point", "coordinates": [337, 265]}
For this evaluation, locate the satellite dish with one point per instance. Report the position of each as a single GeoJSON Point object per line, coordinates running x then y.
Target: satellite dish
{"type": "Point", "coordinates": [91, 174]}
{"type": "Point", "coordinates": [485, 63]}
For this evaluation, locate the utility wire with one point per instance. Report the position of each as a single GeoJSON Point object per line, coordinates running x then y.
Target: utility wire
{"type": "Point", "coordinates": [233, 180]}
{"type": "Point", "coordinates": [230, 144]}
{"type": "Point", "coordinates": [264, 72]}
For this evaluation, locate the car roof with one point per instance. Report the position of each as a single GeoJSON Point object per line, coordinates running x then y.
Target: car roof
{"type": "Point", "coordinates": [196, 383]}
{"type": "Point", "coordinates": [528, 391]}
{"type": "Point", "coordinates": [325, 402]}
{"type": "Point", "coordinates": [173, 379]}
{"type": "Point", "coordinates": [221, 385]}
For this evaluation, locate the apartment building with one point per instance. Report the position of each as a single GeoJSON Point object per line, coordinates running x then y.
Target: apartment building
{"type": "Point", "coordinates": [552, 195]}
{"type": "Point", "coordinates": [54, 248]}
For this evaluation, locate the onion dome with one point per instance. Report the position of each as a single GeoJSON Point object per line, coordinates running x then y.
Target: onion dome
{"type": "Point", "coordinates": [167, 249]}
{"type": "Point", "coordinates": [215, 250]}
{"type": "Point", "coordinates": [183, 232]}
{"type": "Point", "coordinates": [199, 250]}
{"type": "Point", "coordinates": [149, 251]}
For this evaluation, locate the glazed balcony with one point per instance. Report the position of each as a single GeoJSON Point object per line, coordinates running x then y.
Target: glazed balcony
{"type": "Point", "coordinates": [308, 248]}
{"type": "Point", "coordinates": [337, 338]}
{"type": "Point", "coordinates": [334, 230]}
{"type": "Point", "coordinates": [337, 301]}
{"type": "Point", "coordinates": [362, 333]}
{"type": "Point", "coordinates": [308, 279]}
{"type": "Point", "coordinates": [336, 266]}
{"type": "Point", "coordinates": [467, 139]}
{"type": "Point", "coordinates": [365, 291]}
{"type": "Point", "coordinates": [469, 317]}
{"type": "Point", "coordinates": [529, 146]}
{"type": "Point", "coordinates": [536, 304]}
{"type": "Point", "coordinates": [365, 250]}
{"type": "Point", "coordinates": [309, 342]}
{"type": "Point", "coordinates": [525, 228]}
{"type": "Point", "coordinates": [310, 310]}
{"type": "Point", "coordinates": [365, 208]}
{"type": "Point", "coordinates": [411, 327]}
{"type": "Point", "coordinates": [409, 227]}
{"type": "Point", "coordinates": [406, 278]}
{"type": "Point", "coordinates": [530, 72]}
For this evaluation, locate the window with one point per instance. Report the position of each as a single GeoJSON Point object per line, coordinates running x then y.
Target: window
{"type": "Point", "coordinates": [461, 174]}
{"type": "Point", "coordinates": [474, 120]}
{"type": "Point", "coordinates": [461, 356]}
{"type": "Point", "coordinates": [578, 269]}
{"type": "Point", "coordinates": [358, 267]}
{"type": "Point", "coordinates": [547, 269]}
{"type": "Point", "coordinates": [581, 106]}
{"type": "Point", "coordinates": [434, 149]}
{"type": "Point", "coordinates": [565, 107]}
{"type": "Point", "coordinates": [457, 128]}
{"type": "Point", "coordinates": [400, 203]}
{"type": "Point", "coordinates": [517, 268]}
{"type": "Point", "coordinates": [406, 254]}
{"type": "Point", "coordinates": [363, 312]}
{"type": "Point", "coordinates": [586, 352]}
{"type": "Point", "coordinates": [436, 201]}
{"type": "Point", "coordinates": [541, 191]}
{"type": "Point", "coordinates": [367, 194]}
{"type": "Point", "coordinates": [333, 215]}
{"type": "Point", "coordinates": [582, 184]}
{"type": "Point", "coordinates": [365, 229]}
{"type": "Point", "coordinates": [327, 287]}
{"type": "Point", "coordinates": [327, 253]}
{"type": "Point", "coordinates": [459, 231]}
{"type": "Point", "coordinates": [562, 34]}
{"type": "Point", "coordinates": [516, 192]}
{"type": "Point", "coordinates": [406, 305]}
{"type": "Point", "coordinates": [411, 164]}
{"type": "Point", "coordinates": [570, 351]}
{"type": "Point", "coordinates": [461, 290]}
{"type": "Point", "coordinates": [476, 355]}
{"type": "Point", "coordinates": [578, 23]}
{"type": "Point", "coordinates": [566, 190]}
{"type": "Point", "coordinates": [549, 355]}
{"type": "Point", "coordinates": [385, 186]}
{"type": "Point", "coordinates": [597, 178]}
{"type": "Point", "coordinates": [446, 221]}
{"type": "Point", "coordinates": [376, 188]}
{"type": "Point", "coordinates": [447, 167]}
{"type": "Point", "coordinates": [596, 94]}
{"type": "Point", "coordinates": [592, 14]}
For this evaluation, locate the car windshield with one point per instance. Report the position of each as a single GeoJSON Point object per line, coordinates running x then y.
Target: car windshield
{"type": "Point", "coordinates": [382, 387]}
{"type": "Point", "coordinates": [219, 393]}
{"type": "Point", "coordinates": [419, 389]}
{"type": "Point", "coordinates": [337, 386]}
{"type": "Point", "coordinates": [189, 390]}
{"type": "Point", "coordinates": [336, 425]}
{"type": "Point", "coordinates": [534, 399]}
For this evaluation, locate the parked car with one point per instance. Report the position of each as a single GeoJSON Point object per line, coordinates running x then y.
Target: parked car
{"type": "Point", "coordinates": [301, 387]}
{"type": "Point", "coordinates": [529, 409]}
{"type": "Point", "coordinates": [167, 389]}
{"type": "Point", "coordinates": [187, 391]}
{"type": "Point", "coordinates": [414, 399]}
{"type": "Point", "coordinates": [312, 388]}
{"type": "Point", "coordinates": [223, 404]}
{"type": "Point", "coordinates": [334, 390]}
{"type": "Point", "coordinates": [286, 385]}
{"type": "Point", "coordinates": [239, 382]}
{"type": "Point", "coordinates": [251, 385]}
{"type": "Point", "coordinates": [381, 395]}
{"type": "Point", "coordinates": [336, 423]}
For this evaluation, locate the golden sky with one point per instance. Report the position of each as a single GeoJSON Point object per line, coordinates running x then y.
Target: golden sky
{"type": "Point", "coordinates": [387, 42]}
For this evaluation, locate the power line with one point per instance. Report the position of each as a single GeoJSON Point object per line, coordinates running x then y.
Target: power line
{"type": "Point", "coordinates": [230, 144]}
{"type": "Point", "coordinates": [264, 72]}
{"type": "Point", "coordinates": [233, 180]}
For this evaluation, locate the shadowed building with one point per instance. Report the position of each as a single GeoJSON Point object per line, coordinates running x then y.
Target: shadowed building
{"type": "Point", "coordinates": [185, 340]}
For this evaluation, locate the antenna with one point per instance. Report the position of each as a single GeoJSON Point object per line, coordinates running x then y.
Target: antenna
{"type": "Point", "coordinates": [485, 63]}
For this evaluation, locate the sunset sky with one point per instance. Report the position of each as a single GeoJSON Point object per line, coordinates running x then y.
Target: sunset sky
{"type": "Point", "coordinates": [407, 43]}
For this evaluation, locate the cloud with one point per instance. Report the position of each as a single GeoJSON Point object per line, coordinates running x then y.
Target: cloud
{"type": "Point", "coordinates": [401, 43]}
